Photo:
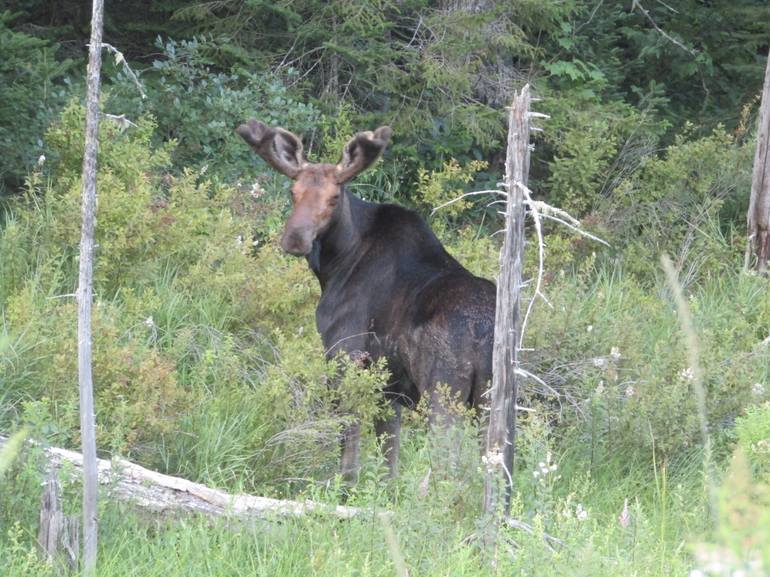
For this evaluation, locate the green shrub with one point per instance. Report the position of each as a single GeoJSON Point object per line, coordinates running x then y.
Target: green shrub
{"type": "Point", "coordinates": [613, 350]}
{"type": "Point", "coordinates": [33, 87]}
{"type": "Point", "coordinates": [683, 204]}
{"type": "Point", "coordinates": [198, 106]}
{"type": "Point", "coordinates": [753, 433]}
{"type": "Point", "coordinates": [135, 387]}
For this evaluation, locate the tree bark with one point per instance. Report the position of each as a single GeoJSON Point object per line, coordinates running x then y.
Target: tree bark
{"type": "Point", "coordinates": [85, 292]}
{"type": "Point", "coordinates": [759, 206]}
{"type": "Point", "coordinates": [58, 534]}
{"type": "Point", "coordinates": [502, 416]}
{"type": "Point", "coordinates": [165, 495]}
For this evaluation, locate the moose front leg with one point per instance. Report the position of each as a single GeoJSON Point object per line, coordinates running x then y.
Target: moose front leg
{"type": "Point", "coordinates": [351, 449]}
{"type": "Point", "coordinates": [351, 436]}
{"type": "Point", "coordinates": [389, 433]}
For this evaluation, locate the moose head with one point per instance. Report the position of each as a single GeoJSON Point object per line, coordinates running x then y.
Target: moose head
{"type": "Point", "coordinates": [317, 188]}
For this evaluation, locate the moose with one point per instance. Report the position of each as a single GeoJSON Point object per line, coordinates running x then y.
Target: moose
{"type": "Point", "coordinates": [388, 287]}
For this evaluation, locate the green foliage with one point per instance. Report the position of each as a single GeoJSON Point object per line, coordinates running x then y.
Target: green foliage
{"type": "Point", "coordinates": [589, 143]}
{"type": "Point", "coordinates": [11, 449]}
{"type": "Point", "coordinates": [613, 347]}
{"type": "Point", "coordinates": [740, 543]}
{"type": "Point", "coordinates": [136, 387]}
{"type": "Point", "coordinates": [753, 433]}
{"type": "Point", "coordinates": [439, 188]}
{"type": "Point", "coordinates": [432, 518]}
{"type": "Point", "coordinates": [198, 107]}
{"type": "Point", "coordinates": [681, 204]}
{"type": "Point", "coordinates": [704, 60]}
{"type": "Point", "coordinates": [31, 92]}
{"type": "Point", "coordinates": [409, 65]}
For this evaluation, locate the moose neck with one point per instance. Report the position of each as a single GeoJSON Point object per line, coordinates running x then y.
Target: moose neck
{"type": "Point", "coordinates": [336, 249]}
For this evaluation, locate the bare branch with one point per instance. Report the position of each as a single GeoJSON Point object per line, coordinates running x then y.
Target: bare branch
{"type": "Point", "coordinates": [462, 196]}
{"type": "Point", "coordinates": [120, 59]}
{"type": "Point", "coordinates": [540, 261]}
{"type": "Point", "coordinates": [580, 231]}
{"type": "Point", "coordinates": [646, 13]}
{"type": "Point", "coordinates": [527, 528]}
{"type": "Point", "coordinates": [120, 120]}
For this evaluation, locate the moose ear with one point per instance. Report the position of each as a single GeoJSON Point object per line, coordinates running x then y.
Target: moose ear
{"type": "Point", "coordinates": [279, 147]}
{"type": "Point", "coordinates": [361, 152]}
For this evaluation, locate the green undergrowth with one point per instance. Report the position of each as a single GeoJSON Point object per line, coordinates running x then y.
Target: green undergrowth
{"type": "Point", "coordinates": [207, 365]}
{"type": "Point", "coordinates": [646, 520]}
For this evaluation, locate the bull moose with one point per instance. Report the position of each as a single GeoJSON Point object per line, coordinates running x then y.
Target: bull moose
{"type": "Point", "coordinates": [388, 287]}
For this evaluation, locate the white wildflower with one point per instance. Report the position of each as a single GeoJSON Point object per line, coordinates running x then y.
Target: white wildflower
{"type": "Point", "coordinates": [589, 328]}
{"type": "Point", "coordinates": [41, 160]}
{"type": "Point", "coordinates": [625, 516]}
{"type": "Point", "coordinates": [687, 374]}
{"type": "Point", "coordinates": [492, 459]}
{"type": "Point", "coordinates": [580, 513]}
{"type": "Point", "coordinates": [149, 322]}
{"type": "Point", "coordinates": [758, 389]}
{"type": "Point", "coordinates": [630, 391]}
{"type": "Point", "coordinates": [256, 190]}
{"type": "Point", "coordinates": [600, 362]}
{"type": "Point", "coordinates": [615, 353]}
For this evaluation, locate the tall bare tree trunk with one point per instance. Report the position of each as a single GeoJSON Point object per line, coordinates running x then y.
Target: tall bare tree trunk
{"type": "Point", "coordinates": [502, 416]}
{"type": "Point", "coordinates": [759, 207]}
{"type": "Point", "coordinates": [85, 293]}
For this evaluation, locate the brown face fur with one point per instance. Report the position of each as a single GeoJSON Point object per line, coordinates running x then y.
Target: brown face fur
{"type": "Point", "coordinates": [317, 187]}
{"type": "Point", "coordinates": [315, 196]}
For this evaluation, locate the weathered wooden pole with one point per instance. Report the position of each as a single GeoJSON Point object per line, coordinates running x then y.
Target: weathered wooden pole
{"type": "Point", "coordinates": [502, 414]}
{"type": "Point", "coordinates": [85, 293]}
{"type": "Point", "coordinates": [759, 206]}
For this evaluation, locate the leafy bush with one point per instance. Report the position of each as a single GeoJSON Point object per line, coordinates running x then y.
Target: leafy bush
{"type": "Point", "coordinates": [198, 106]}
{"type": "Point", "coordinates": [753, 433]}
{"type": "Point", "coordinates": [683, 204]}
{"type": "Point", "coordinates": [612, 349]}
{"type": "Point", "coordinates": [32, 90]}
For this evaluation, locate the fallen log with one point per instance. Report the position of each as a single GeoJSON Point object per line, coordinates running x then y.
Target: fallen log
{"type": "Point", "coordinates": [167, 495]}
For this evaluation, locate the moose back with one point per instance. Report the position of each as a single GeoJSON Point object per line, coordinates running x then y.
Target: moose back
{"type": "Point", "coordinates": [388, 287]}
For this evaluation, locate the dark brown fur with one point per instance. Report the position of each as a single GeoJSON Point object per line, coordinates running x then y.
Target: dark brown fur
{"type": "Point", "coordinates": [389, 289]}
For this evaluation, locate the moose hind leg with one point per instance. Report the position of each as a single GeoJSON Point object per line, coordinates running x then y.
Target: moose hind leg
{"type": "Point", "coordinates": [446, 405]}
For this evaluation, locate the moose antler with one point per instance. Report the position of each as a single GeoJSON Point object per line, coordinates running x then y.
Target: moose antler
{"type": "Point", "coordinates": [362, 151]}
{"type": "Point", "coordinates": [280, 148]}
